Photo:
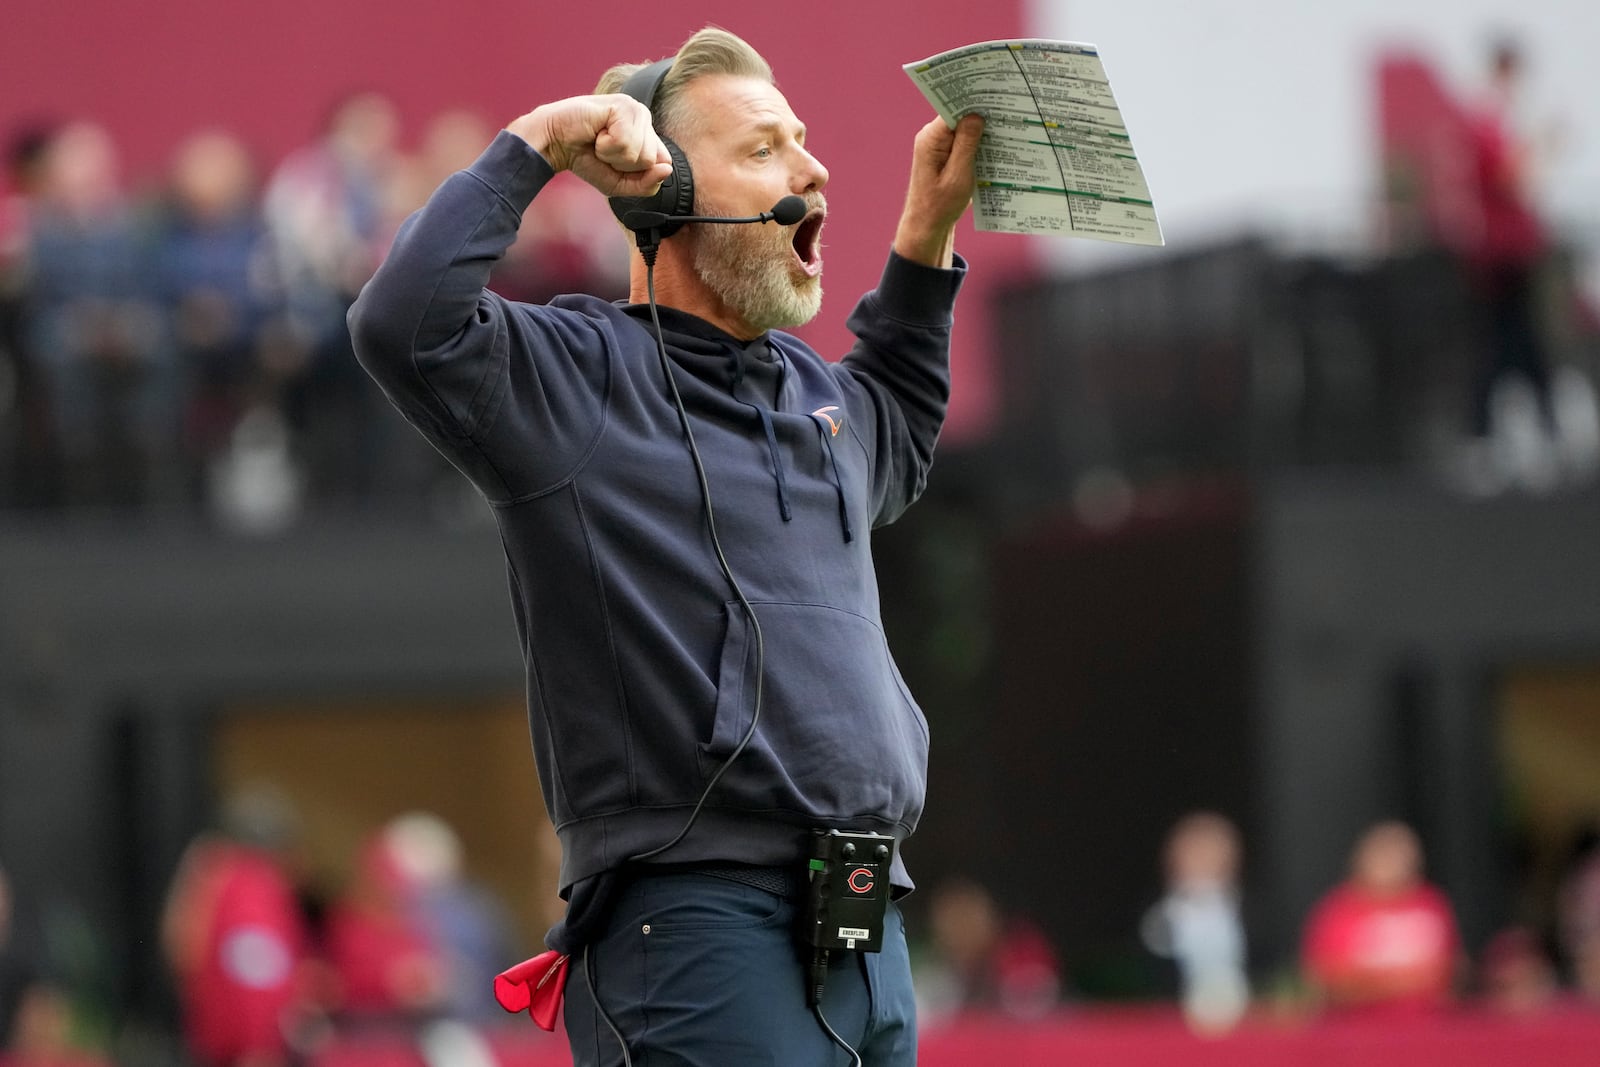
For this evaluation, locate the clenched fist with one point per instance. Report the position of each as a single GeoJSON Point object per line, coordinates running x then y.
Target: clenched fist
{"type": "Point", "coordinates": [607, 141]}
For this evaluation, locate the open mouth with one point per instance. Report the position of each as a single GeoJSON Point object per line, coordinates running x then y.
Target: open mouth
{"type": "Point", "coordinates": [807, 241]}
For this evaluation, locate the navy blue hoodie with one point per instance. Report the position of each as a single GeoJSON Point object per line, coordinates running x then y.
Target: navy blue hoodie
{"type": "Point", "coordinates": [640, 663]}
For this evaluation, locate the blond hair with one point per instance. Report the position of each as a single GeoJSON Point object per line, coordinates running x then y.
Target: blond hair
{"type": "Point", "coordinates": [710, 51]}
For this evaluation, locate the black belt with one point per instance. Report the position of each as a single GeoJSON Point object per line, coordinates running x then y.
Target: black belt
{"type": "Point", "coordinates": [786, 882]}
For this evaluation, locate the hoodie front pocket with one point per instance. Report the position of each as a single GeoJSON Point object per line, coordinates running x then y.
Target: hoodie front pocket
{"type": "Point", "coordinates": [836, 736]}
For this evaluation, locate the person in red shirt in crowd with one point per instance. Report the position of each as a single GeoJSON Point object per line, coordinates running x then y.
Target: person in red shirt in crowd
{"type": "Point", "coordinates": [386, 969]}
{"type": "Point", "coordinates": [1384, 941]}
{"type": "Point", "coordinates": [1504, 244]}
{"type": "Point", "coordinates": [236, 938]}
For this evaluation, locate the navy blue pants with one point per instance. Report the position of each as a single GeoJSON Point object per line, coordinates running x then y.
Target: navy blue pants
{"type": "Point", "coordinates": [699, 971]}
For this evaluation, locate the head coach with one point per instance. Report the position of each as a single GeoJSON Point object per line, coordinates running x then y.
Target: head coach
{"type": "Point", "coordinates": [685, 495]}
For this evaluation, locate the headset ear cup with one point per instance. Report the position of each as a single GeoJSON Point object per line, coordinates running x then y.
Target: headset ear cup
{"type": "Point", "coordinates": [677, 192]}
{"type": "Point", "coordinates": [675, 197]}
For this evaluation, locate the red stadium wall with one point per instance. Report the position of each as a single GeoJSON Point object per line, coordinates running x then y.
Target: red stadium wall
{"type": "Point", "coordinates": [155, 72]}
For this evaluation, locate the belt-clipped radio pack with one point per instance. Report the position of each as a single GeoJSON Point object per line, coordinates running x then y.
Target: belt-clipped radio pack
{"type": "Point", "coordinates": [848, 892]}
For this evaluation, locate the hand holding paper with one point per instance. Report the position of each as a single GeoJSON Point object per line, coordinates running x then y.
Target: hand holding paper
{"type": "Point", "coordinates": [1055, 155]}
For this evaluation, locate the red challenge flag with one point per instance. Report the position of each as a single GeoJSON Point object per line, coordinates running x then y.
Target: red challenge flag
{"type": "Point", "coordinates": [535, 986]}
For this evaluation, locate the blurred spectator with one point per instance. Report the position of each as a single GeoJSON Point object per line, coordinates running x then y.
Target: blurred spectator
{"type": "Point", "coordinates": [236, 939]}
{"type": "Point", "coordinates": [95, 330]}
{"type": "Point", "coordinates": [224, 296]}
{"type": "Point", "coordinates": [1586, 972]}
{"type": "Point", "coordinates": [37, 1017]}
{"type": "Point", "coordinates": [218, 287]}
{"type": "Point", "coordinates": [19, 962]}
{"type": "Point", "coordinates": [1578, 916]}
{"type": "Point", "coordinates": [1197, 923]}
{"type": "Point", "coordinates": [1504, 243]}
{"type": "Point", "coordinates": [1384, 941]}
{"type": "Point", "coordinates": [24, 171]}
{"type": "Point", "coordinates": [468, 926]}
{"type": "Point", "coordinates": [42, 1035]}
{"type": "Point", "coordinates": [450, 142]}
{"type": "Point", "coordinates": [569, 242]}
{"type": "Point", "coordinates": [1518, 977]}
{"type": "Point", "coordinates": [23, 425]}
{"type": "Point", "coordinates": [325, 209]}
{"type": "Point", "coordinates": [984, 961]}
{"type": "Point", "coordinates": [387, 969]}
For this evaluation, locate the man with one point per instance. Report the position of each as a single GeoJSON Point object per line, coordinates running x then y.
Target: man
{"type": "Point", "coordinates": [708, 677]}
{"type": "Point", "coordinates": [1505, 246]}
{"type": "Point", "coordinates": [236, 938]}
{"type": "Point", "coordinates": [1384, 942]}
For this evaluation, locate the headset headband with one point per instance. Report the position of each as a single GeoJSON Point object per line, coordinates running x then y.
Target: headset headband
{"type": "Point", "coordinates": [644, 83]}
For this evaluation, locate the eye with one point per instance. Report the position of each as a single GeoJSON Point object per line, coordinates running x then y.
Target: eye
{"type": "Point", "coordinates": [763, 152]}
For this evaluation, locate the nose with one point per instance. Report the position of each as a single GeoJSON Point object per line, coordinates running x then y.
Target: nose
{"type": "Point", "coordinates": [811, 175]}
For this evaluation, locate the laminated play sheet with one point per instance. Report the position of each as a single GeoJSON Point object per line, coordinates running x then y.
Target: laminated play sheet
{"type": "Point", "coordinates": [1055, 157]}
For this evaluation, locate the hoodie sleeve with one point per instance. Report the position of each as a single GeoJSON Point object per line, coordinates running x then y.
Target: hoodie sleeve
{"type": "Point", "coordinates": [509, 392]}
{"type": "Point", "coordinates": [901, 364]}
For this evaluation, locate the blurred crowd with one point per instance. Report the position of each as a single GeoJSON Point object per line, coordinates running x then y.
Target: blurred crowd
{"type": "Point", "coordinates": [1382, 943]}
{"type": "Point", "coordinates": [268, 966]}
{"type": "Point", "coordinates": [268, 969]}
{"type": "Point", "coordinates": [181, 341]}
{"type": "Point", "coordinates": [263, 974]}
{"type": "Point", "coordinates": [184, 344]}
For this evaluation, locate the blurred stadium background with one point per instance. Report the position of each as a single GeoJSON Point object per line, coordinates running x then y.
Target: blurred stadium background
{"type": "Point", "coordinates": [1209, 529]}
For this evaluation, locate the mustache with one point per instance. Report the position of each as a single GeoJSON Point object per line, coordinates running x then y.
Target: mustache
{"type": "Point", "coordinates": [814, 199]}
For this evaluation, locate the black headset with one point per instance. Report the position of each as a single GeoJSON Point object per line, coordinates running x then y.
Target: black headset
{"type": "Point", "coordinates": [676, 195]}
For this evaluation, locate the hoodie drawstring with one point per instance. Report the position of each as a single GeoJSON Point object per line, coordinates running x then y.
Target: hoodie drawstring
{"type": "Point", "coordinates": [765, 416]}
{"type": "Point", "coordinates": [826, 433]}
{"type": "Point", "coordinates": [779, 476]}
{"type": "Point", "coordinates": [777, 464]}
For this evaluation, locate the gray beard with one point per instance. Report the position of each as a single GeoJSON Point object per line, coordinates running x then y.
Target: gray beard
{"type": "Point", "coordinates": [749, 268]}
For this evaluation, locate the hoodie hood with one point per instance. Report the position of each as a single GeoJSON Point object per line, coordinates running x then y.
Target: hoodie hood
{"type": "Point", "coordinates": [755, 374]}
